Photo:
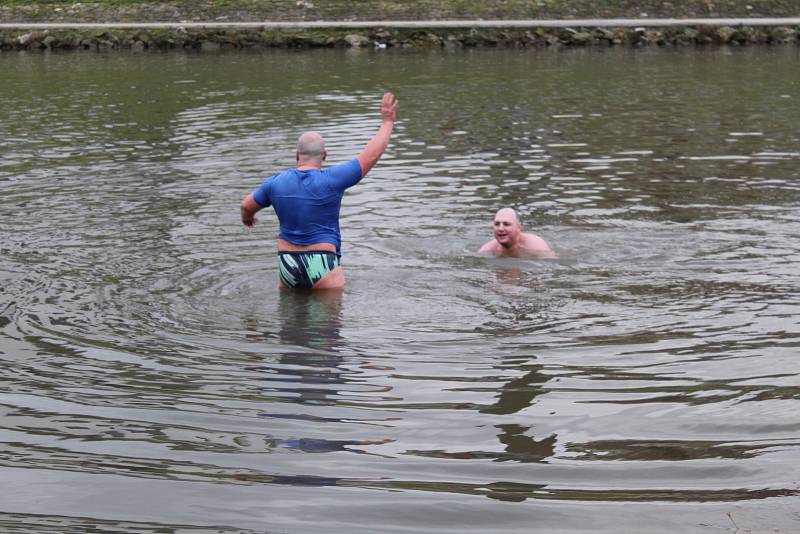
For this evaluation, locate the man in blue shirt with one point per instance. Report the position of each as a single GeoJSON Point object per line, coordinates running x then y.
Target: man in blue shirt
{"type": "Point", "coordinates": [307, 200]}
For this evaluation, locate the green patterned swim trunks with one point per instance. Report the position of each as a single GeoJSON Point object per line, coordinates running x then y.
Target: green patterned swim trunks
{"type": "Point", "coordinates": [304, 269]}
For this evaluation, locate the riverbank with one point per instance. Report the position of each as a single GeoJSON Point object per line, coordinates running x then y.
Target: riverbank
{"type": "Point", "coordinates": [472, 24]}
{"type": "Point", "coordinates": [382, 37]}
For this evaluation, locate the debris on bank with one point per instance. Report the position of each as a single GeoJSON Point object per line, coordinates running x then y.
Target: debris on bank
{"type": "Point", "coordinates": [211, 39]}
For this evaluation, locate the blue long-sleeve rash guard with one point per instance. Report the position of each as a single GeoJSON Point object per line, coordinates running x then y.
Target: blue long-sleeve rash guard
{"type": "Point", "coordinates": [307, 202]}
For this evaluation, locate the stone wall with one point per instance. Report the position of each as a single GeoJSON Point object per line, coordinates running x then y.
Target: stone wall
{"type": "Point", "coordinates": [387, 38]}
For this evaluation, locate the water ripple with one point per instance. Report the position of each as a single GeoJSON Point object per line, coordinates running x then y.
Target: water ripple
{"type": "Point", "coordinates": [150, 354]}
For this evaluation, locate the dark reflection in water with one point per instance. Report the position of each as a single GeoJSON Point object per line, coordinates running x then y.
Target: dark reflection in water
{"type": "Point", "coordinates": [154, 378]}
{"type": "Point", "coordinates": [312, 320]}
{"type": "Point", "coordinates": [514, 396]}
{"type": "Point", "coordinates": [309, 328]}
{"type": "Point", "coordinates": [519, 393]}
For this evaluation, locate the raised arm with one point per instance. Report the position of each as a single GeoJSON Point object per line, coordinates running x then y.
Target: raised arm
{"type": "Point", "coordinates": [377, 145]}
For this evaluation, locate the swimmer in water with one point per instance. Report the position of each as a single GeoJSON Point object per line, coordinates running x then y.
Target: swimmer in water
{"type": "Point", "coordinates": [509, 240]}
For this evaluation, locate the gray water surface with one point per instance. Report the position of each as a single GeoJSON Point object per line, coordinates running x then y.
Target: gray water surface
{"type": "Point", "coordinates": [154, 378]}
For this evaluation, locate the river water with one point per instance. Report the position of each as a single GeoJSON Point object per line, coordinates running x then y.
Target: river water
{"type": "Point", "coordinates": [154, 378]}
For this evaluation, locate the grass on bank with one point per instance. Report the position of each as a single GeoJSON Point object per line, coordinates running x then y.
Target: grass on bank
{"type": "Point", "coordinates": [288, 10]}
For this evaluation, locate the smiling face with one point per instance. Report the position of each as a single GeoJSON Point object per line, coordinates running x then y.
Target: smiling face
{"type": "Point", "coordinates": [507, 228]}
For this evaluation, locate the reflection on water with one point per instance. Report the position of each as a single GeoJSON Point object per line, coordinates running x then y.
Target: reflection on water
{"type": "Point", "coordinates": [312, 321]}
{"type": "Point", "coordinates": [155, 379]}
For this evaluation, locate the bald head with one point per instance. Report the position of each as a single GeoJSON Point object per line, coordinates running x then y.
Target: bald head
{"type": "Point", "coordinates": [507, 214]}
{"type": "Point", "coordinates": [507, 228]}
{"type": "Point", "coordinates": [310, 149]}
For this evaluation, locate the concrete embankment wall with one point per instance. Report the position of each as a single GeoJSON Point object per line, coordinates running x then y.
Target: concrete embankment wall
{"type": "Point", "coordinates": [432, 34]}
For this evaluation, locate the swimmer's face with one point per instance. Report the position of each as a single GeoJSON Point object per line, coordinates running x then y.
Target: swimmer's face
{"type": "Point", "coordinates": [507, 228]}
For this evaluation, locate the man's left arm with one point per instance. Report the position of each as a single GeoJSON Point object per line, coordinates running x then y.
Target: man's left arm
{"type": "Point", "coordinates": [539, 247]}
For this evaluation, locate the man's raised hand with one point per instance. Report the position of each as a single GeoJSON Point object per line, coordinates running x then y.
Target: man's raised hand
{"type": "Point", "coordinates": [388, 107]}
